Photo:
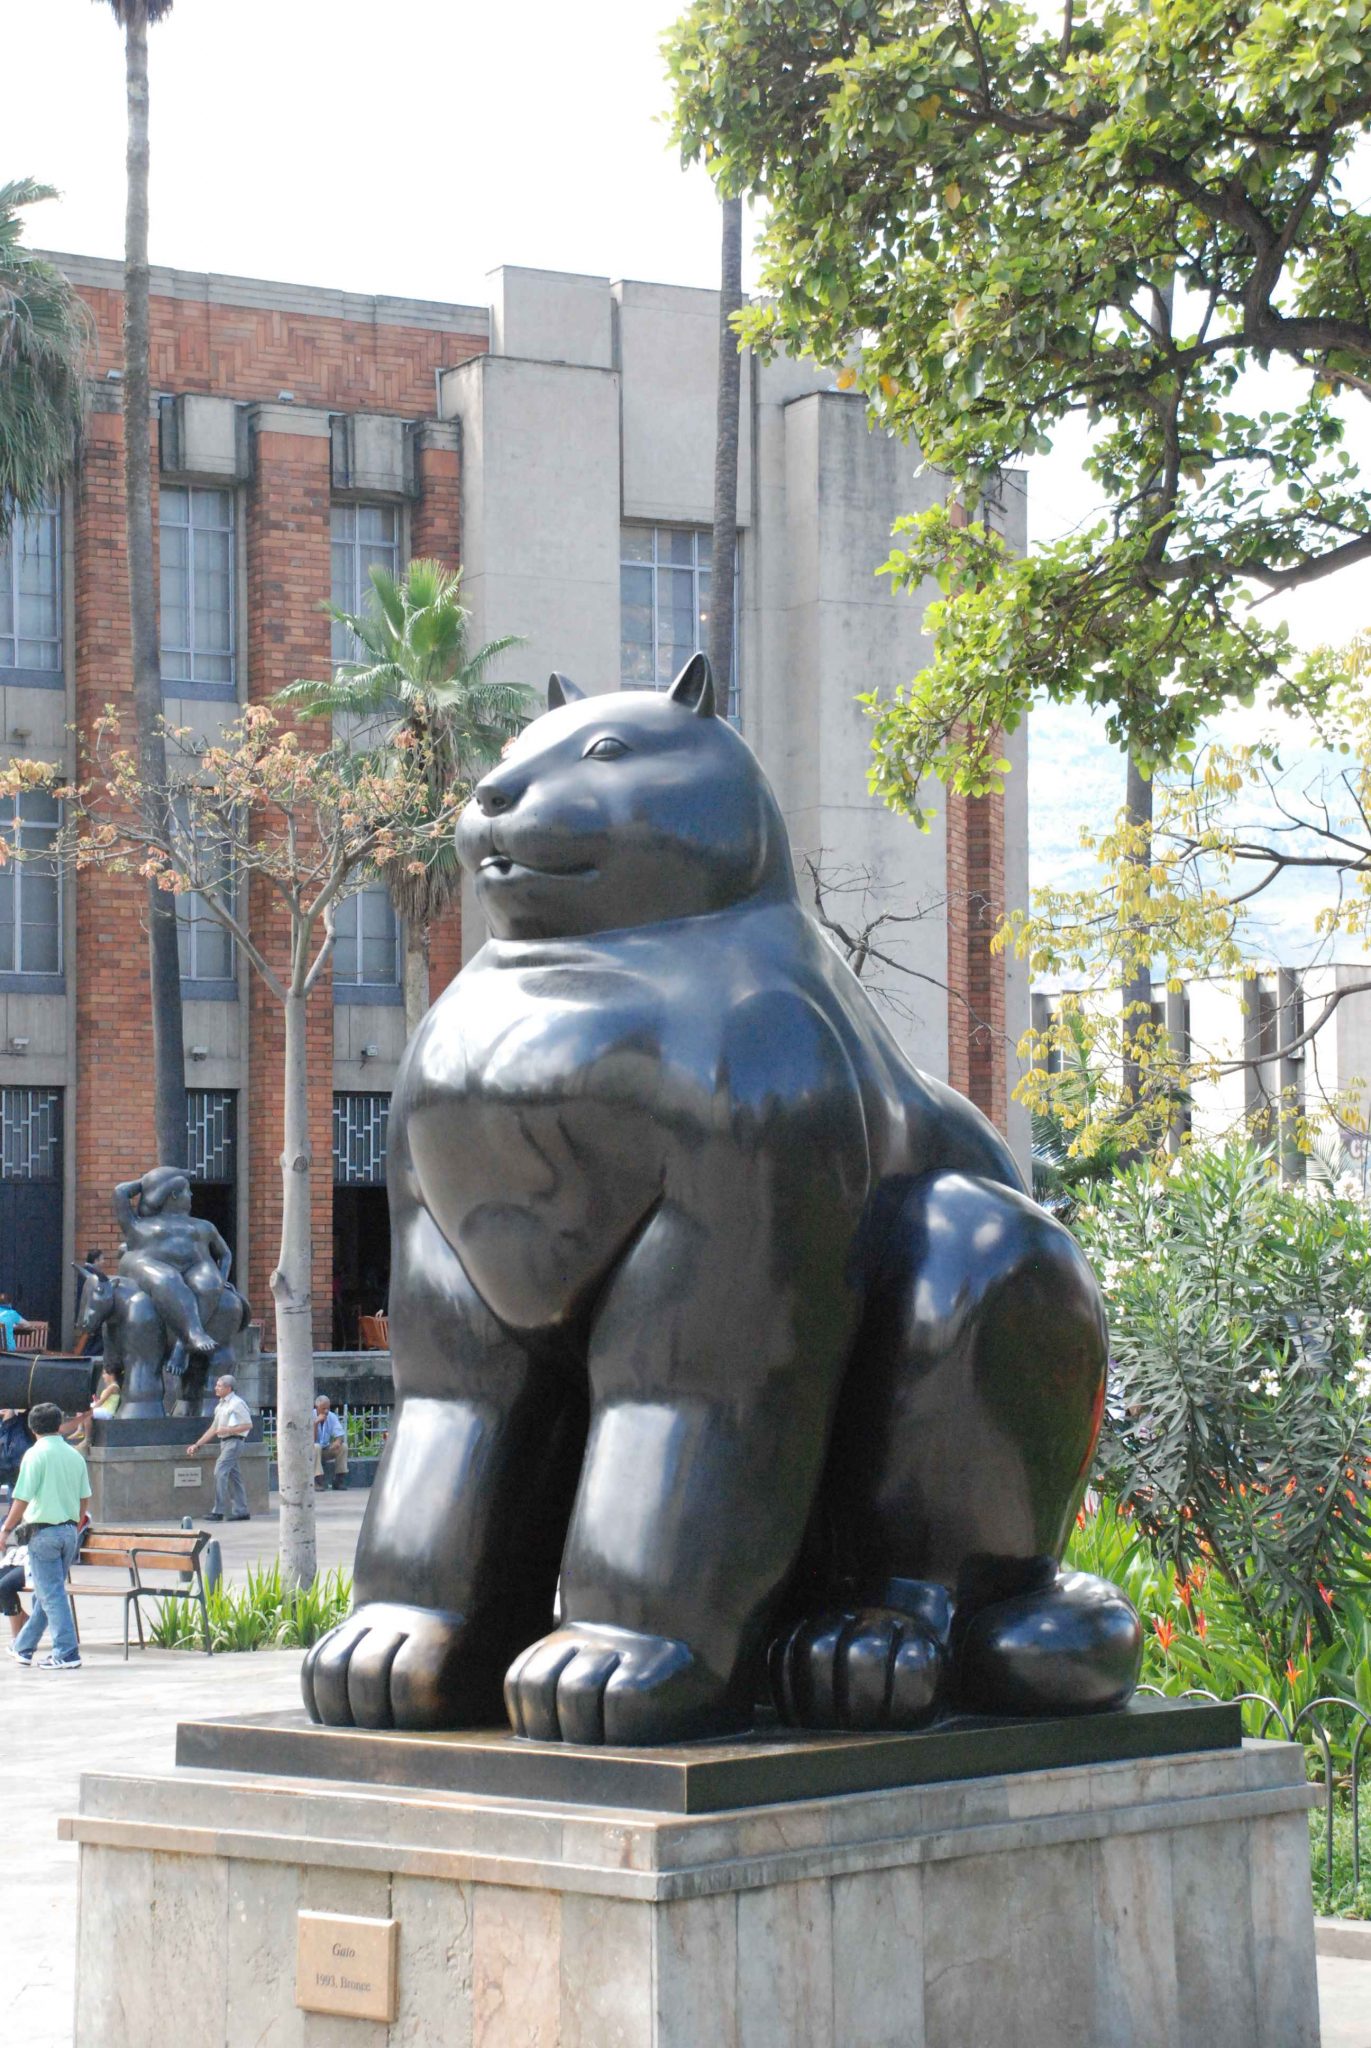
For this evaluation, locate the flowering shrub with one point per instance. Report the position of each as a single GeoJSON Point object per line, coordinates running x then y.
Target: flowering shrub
{"type": "Point", "coordinates": [1238, 1428]}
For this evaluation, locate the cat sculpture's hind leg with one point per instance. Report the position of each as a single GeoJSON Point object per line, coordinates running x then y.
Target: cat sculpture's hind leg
{"type": "Point", "coordinates": [963, 1446]}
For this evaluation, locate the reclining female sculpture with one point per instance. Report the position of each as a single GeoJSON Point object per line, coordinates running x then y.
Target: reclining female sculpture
{"type": "Point", "coordinates": [171, 1312]}
{"type": "Point", "coordinates": [717, 1327]}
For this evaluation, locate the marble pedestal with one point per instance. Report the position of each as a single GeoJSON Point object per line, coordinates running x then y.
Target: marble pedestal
{"type": "Point", "coordinates": [1155, 1903]}
{"type": "Point", "coordinates": [140, 1472]}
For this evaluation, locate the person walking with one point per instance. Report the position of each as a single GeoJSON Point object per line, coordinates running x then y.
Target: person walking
{"type": "Point", "coordinates": [51, 1497]}
{"type": "Point", "coordinates": [230, 1428]}
{"type": "Point", "coordinates": [330, 1443]}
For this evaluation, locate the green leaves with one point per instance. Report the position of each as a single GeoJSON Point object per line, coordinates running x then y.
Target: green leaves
{"type": "Point", "coordinates": [419, 688]}
{"type": "Point", "coordinates": [1238, 1430]}
{"type": "Point", "coordinates": [44, 332]}
{"type": "Point", "coordinates": [999, 232]}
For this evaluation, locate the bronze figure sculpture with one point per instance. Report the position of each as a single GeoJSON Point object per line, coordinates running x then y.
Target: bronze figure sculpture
{"type": "Point", "coordinates": [171, 1312]}
{"type": "Point", "coordinates": [730, 1350]}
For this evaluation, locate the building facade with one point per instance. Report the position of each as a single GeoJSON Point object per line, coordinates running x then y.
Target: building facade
{"type": "Point", "coordinates": [557, 444]}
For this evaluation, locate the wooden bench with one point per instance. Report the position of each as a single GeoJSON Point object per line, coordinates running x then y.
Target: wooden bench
{"type": "Point", "coordinates": [139, 1551]}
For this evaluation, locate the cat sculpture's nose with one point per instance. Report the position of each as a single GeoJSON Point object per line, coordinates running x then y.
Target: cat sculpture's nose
{"type": "Point", "coordinates": [493, 796]}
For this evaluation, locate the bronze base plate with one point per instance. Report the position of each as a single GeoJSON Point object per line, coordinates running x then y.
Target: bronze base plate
{"type": "Point", "coordinates": [770, 1765]}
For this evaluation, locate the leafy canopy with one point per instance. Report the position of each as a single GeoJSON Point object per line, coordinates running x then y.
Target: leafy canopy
{"type": "Point", "coordinates": [43, 337]}
{"type": "Point", "coordinates": [1135, 214]}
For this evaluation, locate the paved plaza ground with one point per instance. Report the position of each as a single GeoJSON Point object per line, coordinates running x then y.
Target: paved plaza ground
{"type": "Point", "coordinates": [118, 1716]}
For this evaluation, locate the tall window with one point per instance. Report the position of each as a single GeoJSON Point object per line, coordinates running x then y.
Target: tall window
{"type": "Point", "coordinates": [664, 580]}
{"type": "Point", "coordinates": [30, 889]}
{"type": "Point", "coordinates": [197, 588]}
{"type": "Point", "coordinates": [364, 536]}
{"type": "Point", "coordinates": [205, 946]}
{"type": "Point", "coordinates": [30, 595]}
{"type": "Point", "coordinates": [366, 948]}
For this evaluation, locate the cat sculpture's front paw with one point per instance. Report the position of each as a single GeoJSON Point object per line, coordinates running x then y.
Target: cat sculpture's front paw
{"type": "Point", "coordinates": [593, 1684]}
{"type": "Point", "coordinates": [860, 1668]}
{"type": "Point", "coordinates": [393, 1666]}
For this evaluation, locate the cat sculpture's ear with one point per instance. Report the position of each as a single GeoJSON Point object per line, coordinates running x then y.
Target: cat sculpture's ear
{"type": "Point", "coordinates": [693, 688]}
{"type": "Point", "coordinates": [561, 690]}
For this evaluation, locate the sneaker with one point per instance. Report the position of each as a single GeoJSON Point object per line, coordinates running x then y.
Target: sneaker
{"type": "Point", "coordinates": [58, 1664]}
{"type": "Point", "coordinates": [24, 1657]}
{"type": "Point", "coordinates": [238, 1518]}
{"type": "Point", "coordinates": [211, 1518]}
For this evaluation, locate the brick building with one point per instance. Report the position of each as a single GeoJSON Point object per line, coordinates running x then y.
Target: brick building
{"type": "Point", "coordinates": [558, 443]}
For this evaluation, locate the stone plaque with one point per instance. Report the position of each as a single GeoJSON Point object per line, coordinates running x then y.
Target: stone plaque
{"type": "Point", "coordinates": [186, 1475]}
{"type": "Point", "coordinates": [346, 1964]}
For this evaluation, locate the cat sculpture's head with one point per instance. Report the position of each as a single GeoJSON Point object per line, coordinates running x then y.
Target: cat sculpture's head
{"type": "Point", "coordinates": [617, 811]}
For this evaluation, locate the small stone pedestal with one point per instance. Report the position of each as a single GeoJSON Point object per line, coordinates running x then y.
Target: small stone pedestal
{"type": "Point", "coordinates": [1157, 1901]}
{"type": "Point", "coordinates": [140, 1473]}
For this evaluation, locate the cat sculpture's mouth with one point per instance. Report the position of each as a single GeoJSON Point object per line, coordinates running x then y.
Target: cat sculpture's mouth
{"type": "Point", "coordinates": [503, 864]}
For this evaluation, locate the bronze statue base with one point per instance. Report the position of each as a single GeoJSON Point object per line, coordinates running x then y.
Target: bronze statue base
{"type": "Point", "coordinates": [770, 1766]}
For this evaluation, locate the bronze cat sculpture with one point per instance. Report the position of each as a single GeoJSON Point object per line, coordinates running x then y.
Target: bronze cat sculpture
{"type": "Point", "coordinates": [731, 1354]}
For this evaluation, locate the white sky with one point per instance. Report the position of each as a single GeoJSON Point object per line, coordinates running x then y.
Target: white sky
{"type": "Point", "coordinates": [412, 148]}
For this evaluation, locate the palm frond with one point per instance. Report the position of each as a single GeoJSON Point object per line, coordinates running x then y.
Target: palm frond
{"type": "Point", "coordinates": [44, 336]}
{"type": "Point", "coordinates": [417, 674]}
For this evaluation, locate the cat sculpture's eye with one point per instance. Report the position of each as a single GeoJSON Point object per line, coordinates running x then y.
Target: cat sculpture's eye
{"type": "Point", "coordinates": [606, 748]}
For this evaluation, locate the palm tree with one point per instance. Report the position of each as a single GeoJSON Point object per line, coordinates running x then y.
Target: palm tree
{"type": "Point", "coordinates": [418, 682]}
{"type": "Point", "coordinates": [169, 1089]}
{"type": "Point", "coordinates": [43, 336]}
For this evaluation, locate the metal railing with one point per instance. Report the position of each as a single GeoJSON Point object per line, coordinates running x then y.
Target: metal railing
{"type": "Point", "coordinates": [367, 1423]}
{"type": "Point", "coordinates": [1315, 1726]}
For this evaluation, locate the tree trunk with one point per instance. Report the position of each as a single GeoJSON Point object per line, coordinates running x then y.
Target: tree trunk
{"type": "Point", "coordinates": [291, 1293]}
{"type": "Point", "coordinates": [416, 976]}
{"type": "Point", "coordinates": [1137, 989]}
{"type": "Point", "coordinates": [721, 595]}
{"type": "Point", "coordinates": [169, 1088]}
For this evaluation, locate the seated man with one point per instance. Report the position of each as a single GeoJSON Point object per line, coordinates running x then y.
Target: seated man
{"type": "Point", "coordinates": [330, 1442]}
{"type": "Point", "coordinates": [10, 1322]}
{"type": "Point", "coordinates": [179, 1260]}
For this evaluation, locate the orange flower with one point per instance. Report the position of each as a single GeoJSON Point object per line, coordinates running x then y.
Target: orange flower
{"type": "Point", "coordinates": [1165, 1632]}
{"type": "Point", "coordinates": [1201, 1623]}
{"type": "Point", "coordinates": [1325, 1595]}
{"type": "Point", "coordinates": [1292, 1670]}
{"type": "Point", "coordinates": [1184, 1590]}
{"type": "Point", "coordinates": [1080, 1518]}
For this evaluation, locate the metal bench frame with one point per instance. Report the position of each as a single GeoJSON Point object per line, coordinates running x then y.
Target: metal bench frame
{"type": "Point", "coordinates": [146, 1543]}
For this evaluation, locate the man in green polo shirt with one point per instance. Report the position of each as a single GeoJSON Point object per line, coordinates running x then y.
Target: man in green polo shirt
{"type": "Point", "coordinates": [51, 1495]}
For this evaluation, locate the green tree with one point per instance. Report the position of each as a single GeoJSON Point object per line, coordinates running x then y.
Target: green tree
{"type": "Point", "coordinates": [43, 338]}
{"type": "Point", "coordinates": [419, 684]}
{"type": "Point", "coordinates": [1135, 214]}
{"type": "Point", "coordinates": [168, 1052]}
